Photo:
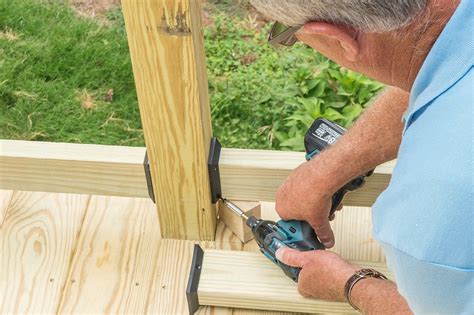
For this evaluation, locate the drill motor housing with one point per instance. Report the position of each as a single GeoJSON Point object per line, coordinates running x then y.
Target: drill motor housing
{"type": "Point", "coordinates": [271, 236]}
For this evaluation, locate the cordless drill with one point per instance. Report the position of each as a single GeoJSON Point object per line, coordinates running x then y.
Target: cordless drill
{"type": "Point", "coordinates": [299, 235]}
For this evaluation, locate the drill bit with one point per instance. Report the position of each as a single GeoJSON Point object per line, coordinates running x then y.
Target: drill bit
{"type": "Point", "coordinates": [234, 208]}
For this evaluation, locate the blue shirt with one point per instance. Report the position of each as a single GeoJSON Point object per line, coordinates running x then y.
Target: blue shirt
{"type": "Point", "coordinates": [424, 220]}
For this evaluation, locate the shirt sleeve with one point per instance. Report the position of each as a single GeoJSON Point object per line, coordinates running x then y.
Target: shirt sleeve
{"type": "Point", "coordinates": [431, 288]}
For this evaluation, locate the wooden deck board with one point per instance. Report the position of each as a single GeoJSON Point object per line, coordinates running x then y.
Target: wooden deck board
{"type": "Point", "coordinates": [112, 268]}
{"type": "Point", "coordinates": [103, 246]}
{"type": "Point", "coordinates": [37, 240]}
{"type": "Point", "coordinates": [5, 199]}
{"type": "Point", "coordinates": [168, 293]}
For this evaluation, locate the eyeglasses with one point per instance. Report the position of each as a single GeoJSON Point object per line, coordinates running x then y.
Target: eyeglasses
{"type": "Point", "coordinates": [282, 35]}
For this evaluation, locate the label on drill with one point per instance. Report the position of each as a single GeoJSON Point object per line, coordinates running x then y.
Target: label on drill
{"type": "Point", "coordinates": [326, 134]}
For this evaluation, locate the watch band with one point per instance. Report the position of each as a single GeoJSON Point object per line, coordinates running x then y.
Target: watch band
{"type": "Point", "coordinates": [359, 275]}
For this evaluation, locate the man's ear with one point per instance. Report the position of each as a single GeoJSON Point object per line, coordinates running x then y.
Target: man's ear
{"type": "Point", "coordinates": [346, 36]}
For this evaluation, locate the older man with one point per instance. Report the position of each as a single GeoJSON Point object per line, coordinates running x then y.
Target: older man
{"type": "Point", "coordinates": [423, 49]}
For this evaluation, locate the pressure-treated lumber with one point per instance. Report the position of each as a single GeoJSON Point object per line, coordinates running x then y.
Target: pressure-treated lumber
{"type": "Point", "coordinates": [236, 223]}
{"type": "Point", "coordinates": [257, 174]}
{"type": "Point", "coordinates": [167, 52]}
{"type": "Point", "coordinates": [37, 242]}
{"type": "Point", "coordinates": [72, 168]}
{"type": "Point", "coordinates": [114, 243]}
{"type": "Point", "coordinates": [168, 293]}
{"type": "Point", "coordinates": [250, 280]}
{"type": "Point", "coordinates": [112, 270]}
{"type": "Point", "coordinates": [118, 171]}
{"type": "Point", "coordinates": [5, 199]}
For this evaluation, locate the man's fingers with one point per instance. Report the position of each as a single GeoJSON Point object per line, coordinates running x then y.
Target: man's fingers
{"type": "Point", "coordinates": [340, 207]}
{"type": "Point", "coordinates": [324, 232]}
{"type": "Point", "coordinates": [281, 209]}
{"type": "Point", "coordinates": [291, 257]}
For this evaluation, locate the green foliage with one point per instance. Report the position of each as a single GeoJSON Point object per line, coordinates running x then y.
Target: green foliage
{"type": "Point", "coordinates": [337, 94]}
{"type": "Point", "coordinates": [267, 98]}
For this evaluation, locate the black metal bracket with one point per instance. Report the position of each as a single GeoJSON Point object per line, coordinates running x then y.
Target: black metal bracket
{"type": "Point", "coordinates": [213, 167]}
{"type": "Point", "coordinates": [149, 182]}
{"type": "Point", "coordinates": [193, 281]}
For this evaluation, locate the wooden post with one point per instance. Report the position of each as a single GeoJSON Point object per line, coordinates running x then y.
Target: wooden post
{"type": "Point", "coordinates": [167, 51]}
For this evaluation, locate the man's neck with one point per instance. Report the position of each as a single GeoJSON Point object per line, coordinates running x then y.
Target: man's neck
{"type": "Point", "coordinates": [412, 50]}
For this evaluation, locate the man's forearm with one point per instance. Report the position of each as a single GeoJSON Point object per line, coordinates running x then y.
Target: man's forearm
{"type": "Point", "coordinates": [376, 296]}
{"type": "Point", "coordinates": [373, 140]}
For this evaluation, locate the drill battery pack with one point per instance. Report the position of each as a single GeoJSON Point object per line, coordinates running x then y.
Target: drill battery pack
{"type": "Point", "coordinates": [320, 135]}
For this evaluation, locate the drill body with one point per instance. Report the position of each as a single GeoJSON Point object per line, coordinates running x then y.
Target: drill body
{"type": "Point", "coordinates": [271, 236]}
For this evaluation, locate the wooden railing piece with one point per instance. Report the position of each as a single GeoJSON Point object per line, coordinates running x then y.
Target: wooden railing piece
{"type": "Point", "coordinates": [118, 171]}
{"type": "Point", "coordinates": [72, 168]}
{"type": "Point", "coordinates": [257, 174]}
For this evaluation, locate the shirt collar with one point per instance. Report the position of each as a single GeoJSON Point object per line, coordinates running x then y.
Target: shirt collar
{"type": "Point", "coordinates": [449, 59]}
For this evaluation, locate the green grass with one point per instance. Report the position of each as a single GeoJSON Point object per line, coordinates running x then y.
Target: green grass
{"type": "Point", "coordinates": [56, 60]}
{"type": "Point", "coordinates": [56, 69]}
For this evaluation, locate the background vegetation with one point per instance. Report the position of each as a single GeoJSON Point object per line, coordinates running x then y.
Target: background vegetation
{"type": "Point", "coordinates": [66, 77]}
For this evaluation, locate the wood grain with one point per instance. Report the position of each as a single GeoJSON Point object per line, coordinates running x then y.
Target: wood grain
{"type": "Point", "coordinates": [353, 235]}
{"type": "Point", "coordinates": [112, 269]}
{"type": "Point", "coordinates": [226, 239]}
{"type": "Point", "coordinates": [72, 168]}
{"type": "Point", "coordinates": [37, 241]}
{"type": "Point", "coordinates": [172, 271]}
{"type": "Point", "coordinates": [168, 293]}
{"type": "Point", "coordinates": [170, 77]}
{"type": "Point", "coordinates": [249, 280]}
{"type": "Point", "coordinates": [5, 199]}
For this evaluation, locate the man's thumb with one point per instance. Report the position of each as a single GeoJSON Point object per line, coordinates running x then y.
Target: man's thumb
{"type": "Point", "coordinates": [291, 257]}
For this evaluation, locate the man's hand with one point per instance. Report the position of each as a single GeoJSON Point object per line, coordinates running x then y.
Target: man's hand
{"type": "Point", "coordinates": [306, 195]}
{"type": "Point", "coordinates": [323, 274]}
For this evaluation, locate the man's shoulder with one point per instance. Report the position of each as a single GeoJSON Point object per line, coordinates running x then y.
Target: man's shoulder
{"type": "Point", "coordinates": [427, 210]}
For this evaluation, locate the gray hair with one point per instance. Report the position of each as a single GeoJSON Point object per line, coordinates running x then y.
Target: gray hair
{"type": "Point", "coordinates": [365, 15]}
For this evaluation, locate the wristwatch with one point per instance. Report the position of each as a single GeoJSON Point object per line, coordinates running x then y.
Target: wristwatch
{"type": "Point", "coordinates": [359, 275]}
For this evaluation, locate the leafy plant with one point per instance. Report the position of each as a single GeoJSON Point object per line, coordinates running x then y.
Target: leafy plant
{"type": "Point", "coordinates": [337, 94]}
{"type": "Point", "coordinates": [267, 98]}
